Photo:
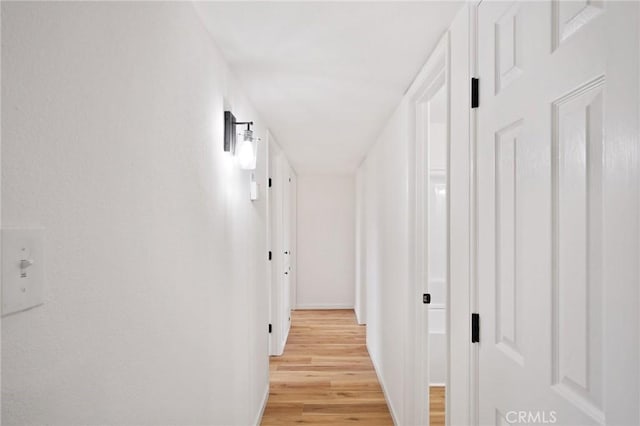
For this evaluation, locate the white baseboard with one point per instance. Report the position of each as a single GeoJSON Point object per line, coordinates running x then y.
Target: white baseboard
{"type": "Point", "coordinates": [394, 417]}
{"type": "Point", "coordinates": [265, 398]}
{"type": "Point", "coordinates": [323, 306]}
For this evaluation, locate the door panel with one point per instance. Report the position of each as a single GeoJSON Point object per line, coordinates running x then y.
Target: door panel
{"type": "Point", "coordinates": [577, 363]}
{"type": "Point", "coordinates": [545, 225]}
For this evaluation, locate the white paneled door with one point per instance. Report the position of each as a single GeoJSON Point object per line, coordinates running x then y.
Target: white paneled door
{"type": "Point", "coordinates": [557, 206]}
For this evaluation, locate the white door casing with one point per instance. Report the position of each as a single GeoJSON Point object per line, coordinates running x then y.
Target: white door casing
{"type": "Point", "coordinates": [557, 212]}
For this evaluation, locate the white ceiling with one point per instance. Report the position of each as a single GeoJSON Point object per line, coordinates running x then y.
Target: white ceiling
{"type": "Point", "coordinates": [326, 76]}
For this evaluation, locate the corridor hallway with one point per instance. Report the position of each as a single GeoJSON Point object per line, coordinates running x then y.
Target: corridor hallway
{"type": "Point", "coordinates": [325, 376]}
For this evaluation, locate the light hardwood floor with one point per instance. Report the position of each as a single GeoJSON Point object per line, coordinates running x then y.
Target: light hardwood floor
{"type": "Point", "coordinates": [325, 376]}
{"type": "Point", "coordinates": [436, 406]}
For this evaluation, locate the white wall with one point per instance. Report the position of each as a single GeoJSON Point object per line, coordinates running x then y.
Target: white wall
{"type": "Point", "coordinates": [388, 192]}
{"type": "Point", "coordinates": [154, 311]}
{"type": "Point", "coordinates": [326, 246]}
{"type": "Point", "coordinates": [387, 258]}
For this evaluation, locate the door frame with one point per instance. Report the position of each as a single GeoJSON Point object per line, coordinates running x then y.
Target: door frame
{"type": "Point", "coordinates": [274, 242]}
{"type": "Point", "coordinates": [279, 171]}
{"type": "Point", "coordinates": [434, 76]}
{"type": "Point", "coordinates": [474, 352]}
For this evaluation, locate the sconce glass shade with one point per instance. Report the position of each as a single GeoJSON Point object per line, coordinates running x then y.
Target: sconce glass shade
{"type": "Point", "coordinates": [246, 151]}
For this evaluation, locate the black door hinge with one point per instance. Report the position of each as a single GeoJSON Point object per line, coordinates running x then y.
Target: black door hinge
{"type": "Point", "coordinates": [475, 94]}
{"type": "Point", "coordinates": [475, 328]}
{"type": "Point", "coordinates": [426, 298]}
{"type": "Point", "coordinates": [269, 328]}
{"type": "Point", "coordinates": [269, 182]}
{"type": "Point", "coordinates": [270, 255]}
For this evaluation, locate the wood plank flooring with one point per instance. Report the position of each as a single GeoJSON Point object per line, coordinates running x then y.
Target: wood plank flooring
{"type": "Point", "coordinates": [325, 376]}
{"type": "Point", "coordinates": [436, 406]}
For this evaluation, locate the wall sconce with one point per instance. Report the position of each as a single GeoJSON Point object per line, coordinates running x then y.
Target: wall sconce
{"type": "Point", "coordinates": [246, 150]}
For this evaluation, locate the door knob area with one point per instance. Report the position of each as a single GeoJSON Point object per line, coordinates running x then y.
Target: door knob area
{"type": "Point", "coordinates": [25, 263]}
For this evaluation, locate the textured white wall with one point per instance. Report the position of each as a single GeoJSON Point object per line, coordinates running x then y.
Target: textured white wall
{"type": "Point", "coordinates": [112, 141]}
{"type": "Point", "coordinates": [326, 244]}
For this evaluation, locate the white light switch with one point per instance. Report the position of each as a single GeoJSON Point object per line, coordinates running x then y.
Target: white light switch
{"type": "Point", "coordinates": [253, 187]}
{"type": "Point", "coordinates": [22, 269]}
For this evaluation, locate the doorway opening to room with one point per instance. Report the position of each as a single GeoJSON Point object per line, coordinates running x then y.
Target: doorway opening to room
{"type": "Point", "coordinates": [436, 277]}
{"type": "Point", "coordinates": [430, 113]}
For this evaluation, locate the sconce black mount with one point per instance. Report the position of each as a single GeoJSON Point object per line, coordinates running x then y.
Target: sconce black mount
{"type": "Point", "coordinates": [230, 124]}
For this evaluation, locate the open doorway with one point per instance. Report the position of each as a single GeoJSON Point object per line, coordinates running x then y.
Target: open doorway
{"type": "Point", "coordinates": [429, 115]}
{"type": "Point", "coordinates": [436, 133]}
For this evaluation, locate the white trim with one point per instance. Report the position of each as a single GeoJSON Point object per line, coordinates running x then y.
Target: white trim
{"type": "Point", "coordinates": [474, 354]}
{"type": "Point", "coordinates": [394, 417]}
{"type": "Point", "coordinates": [265, 399]}
{"type": "Point", "coordinates": [323, 306]}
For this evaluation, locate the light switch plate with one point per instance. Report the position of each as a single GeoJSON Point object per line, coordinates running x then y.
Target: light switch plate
{"type": "Point", "coordinates": [253, 188]}
{"type": "Point", "coordinates": [22, 269]}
